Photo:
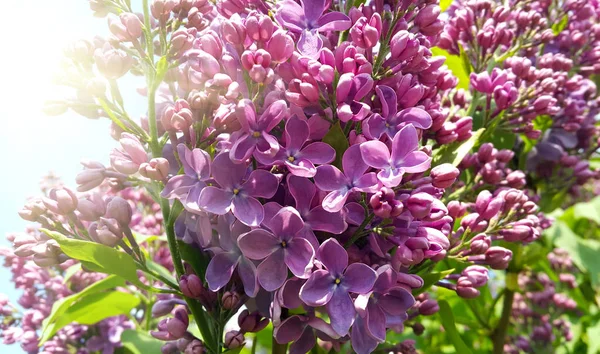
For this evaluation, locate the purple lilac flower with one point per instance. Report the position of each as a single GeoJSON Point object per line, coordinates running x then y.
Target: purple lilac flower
{"type": "Point", "coordinates": [235, 195]}
{"type": "Point", "coordinates": [254, 138]}
{"type": "Point", "coordinates": [390, 121]}
{"type": "Point", "coordinates": [384, 307]}
{"type": "Point", "coordinates": [331, 287]}
{"type": "Point", "coordinates": [340, 184]}
{"type": "Point", "coordinates": [403, 159]}
{"type": "Point", "coordinates": [351, 89]}
{"type": "Point", "coordinates": [228, 257]}
{"type": "Point", "coordinates": [280, 248]}
{"type": "Point", "coordinates": [308, 20]}
{"type": "Point", "coordinates": [303, 331]}
{"type": "Point", "coordinates": [187, 186]}
{"type": "Point", "coordinates": [300, 161]}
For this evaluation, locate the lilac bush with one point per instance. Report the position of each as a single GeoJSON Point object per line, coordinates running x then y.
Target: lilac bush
{"type": "Point", "coordinates": [325, 176]}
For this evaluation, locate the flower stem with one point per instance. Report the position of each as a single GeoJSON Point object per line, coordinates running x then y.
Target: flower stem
{"type": "Point", "coordinates": [358, 233]}
{"type": "Point", "coordinates": [499, 334]}
{"type": "Point", "coordinates": [278, 348]}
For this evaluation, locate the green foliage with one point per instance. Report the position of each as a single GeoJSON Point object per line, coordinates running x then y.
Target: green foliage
{"type": "Point", "coordinates": [444, 4]}
{"type": "Point", "coordinates": [447, 319]}
{"type": "Point", "coordinates": [337, 139]}
{"type": "Point", "coordinates": [459, 65]}
{"type": "Point", "coordinates": [430, 278]}
{"type": "Point", "coordinates": [98, 257]}
{"type": "Point", "coordinates": [454, 153]}
{"type": "Point", "coordinates": [138, 342]}
{"type": "Point", "coordinates": [53, 322]}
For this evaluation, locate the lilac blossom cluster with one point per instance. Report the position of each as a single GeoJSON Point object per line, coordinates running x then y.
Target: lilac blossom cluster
{"type": "Point", "coordinates": [313, 163]}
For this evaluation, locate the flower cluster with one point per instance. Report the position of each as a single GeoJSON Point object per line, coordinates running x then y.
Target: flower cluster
{"type": "Point", "coordinates": [322, 165]}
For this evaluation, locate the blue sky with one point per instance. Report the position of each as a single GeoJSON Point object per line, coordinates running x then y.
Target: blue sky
{"type": "Point", "coordinates": [32, 144]}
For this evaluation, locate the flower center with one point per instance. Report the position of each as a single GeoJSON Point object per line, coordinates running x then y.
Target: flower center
{"type": "Point", "coordinates": [236, 191]}
{"type": "Point", "coordinates": [256, 134]}
{"type": "Point", "coordinates": [338, 281]}
{"type": "Point", "coordinates": [283, 244]}
{"type": "Point", "coordinates": [291, 159]}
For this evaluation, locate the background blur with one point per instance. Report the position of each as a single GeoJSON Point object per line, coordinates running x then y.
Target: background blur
{"type": "Point", "coordinates": [32, 35]}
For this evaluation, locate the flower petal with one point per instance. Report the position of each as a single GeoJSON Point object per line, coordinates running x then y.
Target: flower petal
{"type": "Point", "coordinates": [303, 192]}
{"type": "Point", "coordinates": [301, 168]}
{"type": "Point", "coordinates": [333, 256]}
{"type": "Point", "coordinates": [243, 148]}
{"type": "Point", "coordinates": [396, 301]}
{"type": "Point", "coordinates": [334, 21]}
{"type": "Point", "coordinates": [362, 342]}
{"type": "Point", "coordinates": [389, 100]}
{"type": "Point", "coordinates": [247, 271]}
{"type": "Point", "coordinates": [220, 269]}
{"type": "Point", "coordinates": [258, 244]}
{"type": "Point", "coordinates": [290, 329]}
{"type": "Point", "coordinates": [416, 162]}
{"type": "Point", "coordinates": [178, 187]}
{"type": "Point", "coordinates": [353, 164]}
{"type": "Point", "coordinates": [415, 116]}
{"type": "Point", "coordinates": [246, 115]}
{"type": "Point", "coordinates": [215, 200]}
{"type": "Point", "coordinates": [374, 126]}
{"type": "Point", "coordinates": [322, 220]}
{"type": "Point", "coordinates": [226, 173]}
{"type": "Point", "coordinates": [404, 142]}
{"type": "Point", "coordinates": [299, 256]}
{"type": "Point", "coordinates": [367, 183]}
{"type": "Point", "coordinates": [310, 43]}
{"type": "Point", "coordinates": [318, 290]}
{"type": "Point", "coordinates": [375, 321]}
{"type": "Point", "coordinates": [260, 184]}
{"type": "Point", "coordinates": [391, 177]}
{"type": "Point", "coordinates": [330, 178]}
{"type": "Point", "coordinates": [375, 154]}
{"type": "Point", "coordinates": [359, 278]}
{"type": "Point", "coordinates": [273, 115]}
{"type": "Point", "coordinates": [305, 343]}
{"type": "Point", "coordinates": [319, 153]}
{"type": "Point", "coordinates": [286, 223]}
{"type": "Point", "coordinates": [272, 272]}
{"type": "Point", "coordinates": [248, 210]}
{"type": "Point", "coordinates": [335, 200]}
{"type": "Point", "coordinates": [341, 311]}
{"type": "Point", "coordinates": [296, 133]}
{"type": "Point", "coordinates": [290, 14]}
{"type": "Point", "coordinates": [313, 9]}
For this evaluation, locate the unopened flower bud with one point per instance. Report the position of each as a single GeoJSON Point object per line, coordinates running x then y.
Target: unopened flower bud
{"type": "Point", "coordinates": [419, 205]}
{"type": "Point", "coordinates": [191, 286]}
{"type": "Point", "coordinates": [280, 46]}
{"type": "Point", "coordinates": [106, 232]}
{"type": "Point", "coordinates": [112, 63]}
{"type": "Point", "coordinates": [195, 347]}
{"type": "Point", "coordinates": [234, 339]}
{"type": "Point", "coordinates": [230, 300]}
{"type": "Point", "coordinates": [120, 210]}
{"type": "Point", "coordinates": [384, 203]}
{"type": "Point", "coordinates": [480, 243]}
{"type": "Point", "coordinates": [498, 257]}
{"type": "Point", "coordinates": [251, 322]}
{"type": "Point", "coordinates": [61, 201]}
{"type": "Point", "coordinates": [444, 175]}
{"type": "Point", "coordinates": [127, 27]}
{"type": "Point", "coordinates": [429, 307]}
{"type": "Point", "coordinates": [157, 169]}
{"type": "Point", "coordinates": [91, 208]}
{"type": "Point", "coordinates": [164, 307]}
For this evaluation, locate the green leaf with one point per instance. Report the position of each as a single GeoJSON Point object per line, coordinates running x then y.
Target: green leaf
{"type": "Point", "coordinates": [98, 257]}
{"type": "Point", "coordinates": [71, 271]}
{"type": "Point", "coordinates": [139, 238]}
{"type": "Point", "coordinates": [96, 307]}
{"type": "Point", "coordinates": [447, 319]}
{"type": "Point", "coordinates": [195, 257]}
{"type": "Point", "coordinates": [161, 70]}
{"type": "Point", "coordinates": [139, 342]}
{"type": "Point", "coordinates": [593, 334]}
{"type": "Point", "coordinates": [62, 305]}
{"type": "Point", "coordinates": [454, 153]}
{"type": "Point", "coordinates": [157, 268]}
{"type": "Point", "coordinates": [430, 278]}
{"type": "Point", "coordinates": [444, 4]}
{"type": "Point", "coordinates": [337, 139]}
{"type": "Point", "coordinates": [459, 65]}
{"type": "Point", "coordinates": [560, 25]}
{"type": "Point", "coordinates": [584, 253]}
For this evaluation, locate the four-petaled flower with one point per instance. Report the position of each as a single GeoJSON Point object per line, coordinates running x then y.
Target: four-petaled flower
{"type": "Point", "coordinates": [350, 90]}
{"type": "Point", "coordinates": [300, 161]}
{"type": "Point", "coordinates": [254, 137]}
{"type": "Point", "coordinates": [235, 195]}
{"type": "Point", "coordinates": [330, 179]}
{"type": "Point", "coordinates": [308, 20]}
{"type": "Point", "coordinates": [228, 257]}
{"type": "Point", "coordinates": [390, 121]}
{"type": "Point", "coordinates": [187, 186]}
{"type": "Point", "coordinates": [280, 248]}
{"type": "Point", "coordinates": [331, 287]}
{"type": "Point", "coordinates": [403, 159]}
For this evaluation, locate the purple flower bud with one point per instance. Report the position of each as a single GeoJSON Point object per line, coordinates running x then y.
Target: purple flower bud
{"type": "Point", "coordinates": [473, 222]}
{"type": "Point", "coordinates": [429, 307]}
{"type": "Point", "coordinates": [48, 254]}
{"type": "Point", "coordinates": [177, 117]}
{"type": "Point", "coordinates": [157, 169]}
{"type": "Point", "coordinates": [234, 31]}
{"type": "Point", "coordinates": [61, 201]}
{"type": "Point", "coordinates": [280, 46]}
{"type": "Point", "coordinates": [568, 279]}
{"type": "Point", "coordinates": [196, 346]}
{"type": "Point", "coordinates": [112, 63]}
{"type": "Point", "coordinates": [259, 27]}
{"type": "Point", "coordinates": [517, 233]}
{"type": "Point", "coordinates": [164, 307]}
{"type": "Point", "coordinates": [456, 209]}
{"type": "Point", "coordinates": [427, 15]}
{"type": "Point", "coordinates": [403, 45]}
{"type": "Point", "coordinates": [230, 300]}
{"type": "Point", "coordinates": [498, 257]}
{"type": "Point", "coordinates": [191, 286]}
{"type": "Point", "coordinates": [384, 203]}
{"type": "Point", "coordinates": [486, 153]}
{"type": "Point", "coordinates": [106, 232]}
{"type": "Point", "coordinates": [130, 156]}
{"type": "Point", "coordinates": [234, 339]}
{"type": "Point", "coordinates": [120, 210]}
{"type": "Point", "coordinates": [182, 41]}
{"type": "Point", "coordinates": [516, 179]}
{"type": "Point", "coordinates": [91, 208]}
{"type": "Point", "coordinates": [479, 244]}
{"type": "Point", "coordinates": [419, 205]}
{"type": "Point", "coordinates": [24, 245]}
{"type": "Point", "coordinates": [32, 210]}
{"type": "Point", "coordinates": [465, 290]}
{"type": "Point", "coordinates": [169, 348]}
{"type": "Point", "coordinates": [476, 275]}
{"type": "Point", "coordinates": [161, 9]}
{"type": "Point", "coordinates": [251, 322]}
{"type": "Point", "coordinates": [444, 175]}
{"type": "Point", "coordinates": [127, 27]}
{"type": "Point", "coordinates": [365, 32]}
